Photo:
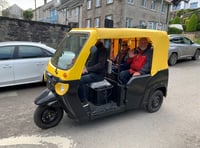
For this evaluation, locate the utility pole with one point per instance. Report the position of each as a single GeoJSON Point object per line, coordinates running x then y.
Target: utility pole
{"type": "Point", "coordinates": [35, 12]}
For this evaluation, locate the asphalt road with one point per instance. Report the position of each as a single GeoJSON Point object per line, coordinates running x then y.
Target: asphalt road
{"type": "Point", "coordinates": [175, 125]}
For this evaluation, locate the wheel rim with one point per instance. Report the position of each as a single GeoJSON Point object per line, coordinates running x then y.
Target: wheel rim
{"type": "Point", "coordinates": [173, 59]}
{"type": "Point", "coordinates": [156, 102]}
{"type": "Point", "coordinates": [49, 115]}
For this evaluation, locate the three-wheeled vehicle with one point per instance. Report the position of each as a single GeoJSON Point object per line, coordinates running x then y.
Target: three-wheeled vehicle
{"type": "Point", "coordinates": [106, 97]}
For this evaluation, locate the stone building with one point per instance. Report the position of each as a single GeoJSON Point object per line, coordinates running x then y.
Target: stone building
{"type": "Point", "coordinates": [152, 14]}
{"type": "Point", "coordinates": [70, 12]}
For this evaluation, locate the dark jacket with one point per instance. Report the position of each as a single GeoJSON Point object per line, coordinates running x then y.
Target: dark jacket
{"type": "Point", "coordinates": [97, 61]}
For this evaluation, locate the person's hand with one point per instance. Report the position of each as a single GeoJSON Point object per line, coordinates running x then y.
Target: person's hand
{"type": "Point", "coordinates": [136, 73]}
{"type": "Point", "coordinates": [116, 65]}
{"type": "Point", "coordinates": [130, 54]}
{"type": "Point", "coordinates": [85, 71]}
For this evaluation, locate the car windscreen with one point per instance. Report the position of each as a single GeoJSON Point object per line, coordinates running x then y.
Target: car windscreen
{"type": "Point", "coordinates": [68, 50]}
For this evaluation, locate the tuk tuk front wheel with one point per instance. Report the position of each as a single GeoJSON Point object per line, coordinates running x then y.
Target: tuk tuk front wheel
{"type": "Point", "coordinates": [155, 101]}
{"type": "Point", "coordinates": [47, 117]}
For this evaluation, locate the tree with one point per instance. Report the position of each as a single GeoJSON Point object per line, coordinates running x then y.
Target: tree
{"type": "Point", "coordinates": [3, 4]}
{"type": "Point", "coordinates": [28, 15]}
{"type": "Point", "coordinates": [192, 23]}
{"type": "Point", "coordinates": [177, 20]}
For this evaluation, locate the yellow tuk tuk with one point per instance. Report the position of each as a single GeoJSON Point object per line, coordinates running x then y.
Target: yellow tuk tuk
{"type": "Point", "coordinates": [64, 72]}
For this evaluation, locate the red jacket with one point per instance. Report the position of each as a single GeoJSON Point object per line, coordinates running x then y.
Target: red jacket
{"type": "Point", "coordinates": [137, 62]}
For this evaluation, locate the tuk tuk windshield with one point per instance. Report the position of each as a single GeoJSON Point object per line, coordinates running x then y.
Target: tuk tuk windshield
{"type": "Point", "coordinates": [68, 50]}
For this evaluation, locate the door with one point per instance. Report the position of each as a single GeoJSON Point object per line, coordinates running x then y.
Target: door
{"type": "Point", "coordinates": [189, 49]}
{"type": "Point", "coordinates": [30, 65]}
{"type": "Point", "coordinates": [6, 65]}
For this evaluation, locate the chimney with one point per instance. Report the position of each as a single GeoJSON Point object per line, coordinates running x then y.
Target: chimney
{"type": "Point", "coordinates": [45, 1]}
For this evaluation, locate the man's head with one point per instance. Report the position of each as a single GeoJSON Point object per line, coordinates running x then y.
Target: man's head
{"type": "Point", "coordinates": [99, 44]}
{"type": "Point", "coordinates": [143, 43]}
{"type": "Point", "coordinates": [124, 46]}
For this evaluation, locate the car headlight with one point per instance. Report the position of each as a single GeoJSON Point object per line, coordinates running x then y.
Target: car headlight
{"type": "Point", "coordinates": [61, 88]}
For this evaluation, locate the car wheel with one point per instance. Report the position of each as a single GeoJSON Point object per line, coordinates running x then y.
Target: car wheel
{"type": "Point", "coordinates": [155, 101]}
{"type": "Point", "coordinates": [196, 55]}
{"type": "Point", "coordinates": [47, 117]}
{"type": "Point", "coordinates": [173, 59]}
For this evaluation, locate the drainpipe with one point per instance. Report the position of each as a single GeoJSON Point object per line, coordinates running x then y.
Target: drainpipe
{"type": "Point", "coordinates": [160, 13]}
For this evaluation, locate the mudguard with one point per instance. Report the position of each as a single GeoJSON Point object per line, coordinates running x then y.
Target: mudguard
{"type": "Point", "coordinates": [45, 98]}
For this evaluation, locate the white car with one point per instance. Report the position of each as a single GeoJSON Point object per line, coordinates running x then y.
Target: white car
{"type": "Point", "coordinates": [23, 62]}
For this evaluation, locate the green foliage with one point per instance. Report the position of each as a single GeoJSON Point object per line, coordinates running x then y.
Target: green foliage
{"type": "Point", "coordinates": [5, 13]}
{"type": "Point", "coordinates": [181, 12]}
{"type": "Point", "coordinates": [28, 14]}
{"type": "Point", "coordinates": [197, 40]}
{"type": "Point", "coordinates": [184, 27]}
{"type": "Point", "coordinates": [198, 27]}
{"type": "Point", "coordinates": [173, 30]}
{"type": "Point", "coordinates": [192, 24]}
{"type": "Point", "coordinates": [177, 20]}
{"type": "Point", "coordinates": [171, 22]}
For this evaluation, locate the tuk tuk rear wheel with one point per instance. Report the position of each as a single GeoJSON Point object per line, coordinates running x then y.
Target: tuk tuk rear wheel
{"type": "Point", "coordinates": [155, 101]}
{"type": "Point", "coordinates": [47, 117]}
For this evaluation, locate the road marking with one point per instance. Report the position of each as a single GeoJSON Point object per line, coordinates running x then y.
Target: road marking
{"type": "Point", "coordinates": [8, 94]}
{"type": "Point", "coordinates": [61, 142]}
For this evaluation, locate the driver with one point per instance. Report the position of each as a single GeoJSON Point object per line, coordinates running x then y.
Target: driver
{"type": "Point", "coordinates": [94, 71]}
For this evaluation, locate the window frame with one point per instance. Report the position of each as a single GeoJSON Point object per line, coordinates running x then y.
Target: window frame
{"type": "Point", "coordinates": [109, 1]}
{"type": "Point", "coordinates": [98, 3]}
{"type": "Point", "coordinates": [89, 4]}
{"type": "Point", "coordinates": [88, 23]}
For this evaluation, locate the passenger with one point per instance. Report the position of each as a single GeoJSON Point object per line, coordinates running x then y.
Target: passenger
{"type": "Point", "coordinates": [94, 71]}
{"type": "Point", "coordinates": [140, 61]}
{"type": "Point", "coordinates": [121, 58]}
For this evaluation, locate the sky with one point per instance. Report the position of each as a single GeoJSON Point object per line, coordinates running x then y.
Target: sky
{"type": "Point", "coordinates": [26, 4]}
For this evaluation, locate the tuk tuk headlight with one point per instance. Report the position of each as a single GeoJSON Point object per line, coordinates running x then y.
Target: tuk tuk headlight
{"type": "Point", "coordinates": [61, 88]}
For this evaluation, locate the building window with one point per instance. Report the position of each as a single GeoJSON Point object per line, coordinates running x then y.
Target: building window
{"type": "Point", "coordinates": [144, 3]}
{"type": "Point", "coordinates": [109, 1]}
{"type": "Point", "coordinates": [89, 4]}
{"type": "Point", "coordinates": [88, 23]}
{"type": "Point", "coordinates": [97, 22]}
{"type": "Point", "coordinates": [98, 3]}
{"type": "Point", "coordinates": [142, 24]}
{"type": "Point", "coordinates": [153, 4]}
{"type": "Point", "coordinates": [193, 5]}
{"type": "Point", "coordinates": [76, 11]}
{"type": "Point", "coordinates": [131, 2]}
{"type": "Point", "coordinates": [70, 13]}
{"type": "Point", "coordinates": [129, 22]}
{"type": "Point", "coordinates": [164, 8]}
{"type": "Point", "coordinates": [109, 17]}
{"type": "Point", "coordinates": [152, 25]}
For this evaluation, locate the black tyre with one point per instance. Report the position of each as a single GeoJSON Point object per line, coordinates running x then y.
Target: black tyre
{"type": "Point", "coordinates": [47, 117]}
{"type": "Point", "coordinates": [196, 55]}
{"type": "Point", "coordinates": [155, 101]}
{"type": "Point", "coordinates": [173, 59]}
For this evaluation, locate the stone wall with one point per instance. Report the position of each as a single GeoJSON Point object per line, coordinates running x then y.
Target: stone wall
{"type": "Point", "coordinates": [22, 30]}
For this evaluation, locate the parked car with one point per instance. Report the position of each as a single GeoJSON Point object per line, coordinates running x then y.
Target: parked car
{"type": "Point", "coordinates": [23, 62]}
{"type": "Point", "coordinates": [182, 47]}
